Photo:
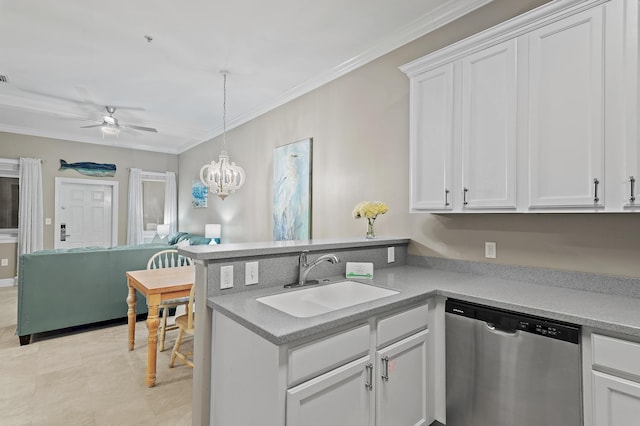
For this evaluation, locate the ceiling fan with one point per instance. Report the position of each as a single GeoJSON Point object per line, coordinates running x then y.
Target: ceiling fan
{"type": "Point", "coordinates": [110, 125]}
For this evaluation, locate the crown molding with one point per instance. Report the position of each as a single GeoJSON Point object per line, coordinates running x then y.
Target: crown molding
{"type": "Point", "coordinates": [497, 34]}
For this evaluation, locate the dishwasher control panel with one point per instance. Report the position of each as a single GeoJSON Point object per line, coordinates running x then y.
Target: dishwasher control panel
{"type": "Point", "coordinates": [510, 321]}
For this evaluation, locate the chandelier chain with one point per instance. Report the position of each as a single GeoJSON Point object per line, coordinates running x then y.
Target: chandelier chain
{"type": "Point", "coordinates": [224, 111]}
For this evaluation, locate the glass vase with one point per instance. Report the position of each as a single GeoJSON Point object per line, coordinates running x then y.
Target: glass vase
{"type": "Point", "coordinates": [371, 234]}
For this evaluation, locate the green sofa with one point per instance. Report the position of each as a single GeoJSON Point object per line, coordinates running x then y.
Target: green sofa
{"type": "Point", "coordinates": [66, 288]}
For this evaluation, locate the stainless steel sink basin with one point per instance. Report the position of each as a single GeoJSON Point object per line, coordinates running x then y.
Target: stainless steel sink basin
{"type": "Point", "coordinates": [312, 301]}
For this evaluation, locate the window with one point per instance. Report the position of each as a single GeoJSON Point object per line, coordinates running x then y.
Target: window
{"type": "Point", "coordinates": [153, 204]}
{"type": "Point", "coordinates": [153, 189]}
{"type": "Point", "coordinates": [9, 196]}
{"type": "Point", "coordinates": [9, 202]}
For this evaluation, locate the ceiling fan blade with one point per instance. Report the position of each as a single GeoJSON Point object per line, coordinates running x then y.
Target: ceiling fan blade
{"type": "Point", "coordinates": [93, 125]}
{"type": "Point", "coordinates": [76, 101]}
{"type": "Point", "coordinates": [51, 95]}
{"type": "Point", "coordinates": [66, 116]}
{"type": "Point", "coordinates": [146, 129]}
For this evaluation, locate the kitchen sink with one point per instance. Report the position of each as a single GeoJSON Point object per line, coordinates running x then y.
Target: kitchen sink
{"type": "Point", "coordinates": [312, 301]}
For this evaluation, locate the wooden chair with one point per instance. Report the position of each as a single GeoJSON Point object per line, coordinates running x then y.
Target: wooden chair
{"type": "Point", "coordinates": [168, 259]}
{"type": "Point", "coordinates": [186, 324]}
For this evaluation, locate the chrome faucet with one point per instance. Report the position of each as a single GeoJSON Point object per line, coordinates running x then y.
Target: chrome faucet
{"type": "Point", "coordinates": [304, 267]}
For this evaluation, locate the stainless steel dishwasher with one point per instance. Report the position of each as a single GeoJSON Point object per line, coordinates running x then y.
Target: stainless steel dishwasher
{"type": "Point", "coordinates": [510, 369]}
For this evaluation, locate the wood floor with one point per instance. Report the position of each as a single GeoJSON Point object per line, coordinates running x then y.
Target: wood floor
{"type": "Point", "coordinates": [86, 377]}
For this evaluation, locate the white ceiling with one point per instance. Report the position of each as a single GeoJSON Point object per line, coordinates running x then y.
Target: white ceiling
{"type": "Point", "coordinates": [69, 59]}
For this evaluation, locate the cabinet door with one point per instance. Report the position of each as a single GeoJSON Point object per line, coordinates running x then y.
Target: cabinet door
{"type": "Point", "coordinates": [489, 136]}
{"type": "Point", "coordinates": [629, 86]}
{"type": "Point", "coordinates": [565, 105]}
{"type": "Point", "coordinates": [616, 401]}
{"type": "Point", "coordinates": [431, 139]}
{"type": "Point", "coordinates": [401, 392]}
{"type": "Point", "coordinates": [339, 397]}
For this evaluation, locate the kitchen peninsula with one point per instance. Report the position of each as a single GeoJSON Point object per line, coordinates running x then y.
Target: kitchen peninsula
{"type": "Point", "coordinates": [277, 266]}
{"type": "Point", "coordinates": [416, 312]}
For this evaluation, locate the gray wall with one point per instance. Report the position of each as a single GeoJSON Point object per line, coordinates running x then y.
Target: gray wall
{"type": "Point", "coordinates": [360, 127]}
{"type": "Point", "coordinates": [52, 150]}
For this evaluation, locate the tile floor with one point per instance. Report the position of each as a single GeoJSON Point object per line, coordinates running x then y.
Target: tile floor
{"type": "Point", "coordinates": [86, 377]}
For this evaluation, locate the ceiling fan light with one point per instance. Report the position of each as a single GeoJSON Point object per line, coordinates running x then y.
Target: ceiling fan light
{"type": "Point", "coordinates": [110, 130]}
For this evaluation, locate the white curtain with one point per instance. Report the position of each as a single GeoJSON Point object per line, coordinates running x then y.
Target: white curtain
{"type": "Point", "coordinates": [171, 202]}
{"type": "Point", "coordinates": [135, 208]}
{"type": "Point", "coordinates": [30, 226]}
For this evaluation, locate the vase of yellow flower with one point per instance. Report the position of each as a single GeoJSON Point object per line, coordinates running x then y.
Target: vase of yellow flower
{"type": "Point", "coordinates": [369, 210]}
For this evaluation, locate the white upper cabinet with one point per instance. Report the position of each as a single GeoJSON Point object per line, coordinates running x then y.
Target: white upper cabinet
{"type": "Point", "coordinates": [432, 139]}
{"type": "Point", "coordinates": [488, 126]}
{"type": "Point", "coordinates": [566, 114]}
{"type": "Point", "coordinates": [538, 114]}
{"type": "Point", "coordinates": [630, 182]}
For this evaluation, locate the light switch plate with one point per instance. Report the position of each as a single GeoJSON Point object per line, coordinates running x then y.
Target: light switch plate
{"type": "Point", "coordinates": [5, 262]}
{"type": "Point", "coordinates": [47, 221]}
{"type": "Point", "coordinates": [226, 276]}
{"type": "Point", "coordinates": [490, 250]}
{"type": "Point", "coordinates": [391, 254]}
{"type": "Point", "coordinates": [251, 273]}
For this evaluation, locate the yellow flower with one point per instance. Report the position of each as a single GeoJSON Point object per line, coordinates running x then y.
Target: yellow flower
{"type": "Point", "coordinates": [369, 209]}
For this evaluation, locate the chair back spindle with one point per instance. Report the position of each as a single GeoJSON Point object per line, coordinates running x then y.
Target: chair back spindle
{"type": "Point", "coordinates": [168, 259]}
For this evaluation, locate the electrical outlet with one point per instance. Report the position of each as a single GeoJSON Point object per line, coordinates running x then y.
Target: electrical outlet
{"type": "Point", "coordinates": [251, 273]}
{"type": "Point", "coordinates": [5, 262]}
{"type": "Point", "coordinates": [490, 250]}
{"type": "Point", "coordinates": [226, 276]}
{"type": "Point", "coordinates": [391, 254]}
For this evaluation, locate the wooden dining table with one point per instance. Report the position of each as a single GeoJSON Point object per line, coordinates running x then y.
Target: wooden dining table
{"type": "Point", "coordinates": [156, 285]}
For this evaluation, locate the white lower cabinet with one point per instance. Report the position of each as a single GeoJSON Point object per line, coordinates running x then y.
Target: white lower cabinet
{"type": "Point", "coordinates": [616, 400]}
{"type": "Point", "coordinates": [401, 391]}
{"type": "Point", "coordinates": [615, 380]}
{"type": "Point", "coordinates": [375, 372]}
{"type": "Point", "coordinates": [339, 397]}
{"type": "Point", "coordinates": [387, 387]}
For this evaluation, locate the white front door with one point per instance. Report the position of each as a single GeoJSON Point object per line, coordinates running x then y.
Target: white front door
{"type": "Point", "coordinates": [86, 213]}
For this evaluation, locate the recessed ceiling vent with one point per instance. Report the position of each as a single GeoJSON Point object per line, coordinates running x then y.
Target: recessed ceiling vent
{"type": "Point", "coordinates": [3, 79]}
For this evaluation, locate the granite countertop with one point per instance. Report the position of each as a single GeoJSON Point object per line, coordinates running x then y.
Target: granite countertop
{"type": "Point", "coordinates": [590, 309]}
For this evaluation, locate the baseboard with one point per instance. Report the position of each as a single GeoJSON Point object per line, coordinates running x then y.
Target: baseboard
{"type": "Point", "coordinates": [7, 282]}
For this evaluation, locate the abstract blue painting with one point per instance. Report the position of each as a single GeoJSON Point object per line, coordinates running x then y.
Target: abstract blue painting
{"type": "Point", "coordinates": [199, 194]}
{"type": "Point", "coordinates": [292, 191]}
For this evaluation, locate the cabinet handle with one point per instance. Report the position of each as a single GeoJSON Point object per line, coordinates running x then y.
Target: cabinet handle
{"type": "Point", "coordinates": [596, 182]}
{"type": "Point", "coordinates": [385, 368]}
{"type": "Point", "coordinates": [632, 199]}
{"type": "Point", "coordinates": [446, 197]}
{"type": "Point", "coordinates": [464, 196]}
{"type": "Point", "coordinates": [369, 383]}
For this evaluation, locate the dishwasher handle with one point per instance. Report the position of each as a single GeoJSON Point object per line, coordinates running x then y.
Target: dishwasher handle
{"type": "Point", "coordinates": [503, 331]}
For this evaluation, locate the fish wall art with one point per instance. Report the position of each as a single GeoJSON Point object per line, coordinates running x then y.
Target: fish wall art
{"type": "Point", "coordinates": [89, 169]}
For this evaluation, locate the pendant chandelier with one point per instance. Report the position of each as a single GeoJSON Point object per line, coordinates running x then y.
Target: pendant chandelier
{"type": "Point", "coordinates": [223, 177]}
